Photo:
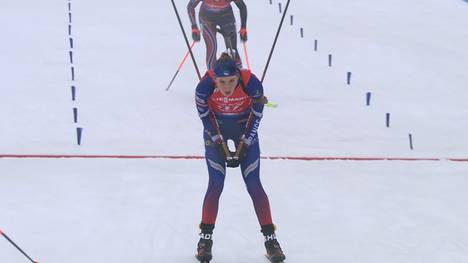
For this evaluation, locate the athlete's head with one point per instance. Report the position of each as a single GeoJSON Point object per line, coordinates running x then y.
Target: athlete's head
{"type": "Point", "coordinates": [226, 74]}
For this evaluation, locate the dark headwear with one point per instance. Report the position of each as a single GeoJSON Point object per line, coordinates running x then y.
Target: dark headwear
{"type": "Point", "coordinates": [225, 66]}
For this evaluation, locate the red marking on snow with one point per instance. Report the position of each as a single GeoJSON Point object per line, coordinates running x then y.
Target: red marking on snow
{"type": "Point", "coordinates": [351, 158]}
{"type": "Point", "coordinates": [57, 156]}
{"type": "Point", "coordinates": [1, 232]}
{"type": "Point", "coordinates": [458, 160]}
{"type": "Point", "coordinates": [199, 157]}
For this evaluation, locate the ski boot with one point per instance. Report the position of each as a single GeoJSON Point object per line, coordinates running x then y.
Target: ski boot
{"type": "Point", "coordinates": [205, 243]}
{"type": "Point", "coordinates": [274, 252]}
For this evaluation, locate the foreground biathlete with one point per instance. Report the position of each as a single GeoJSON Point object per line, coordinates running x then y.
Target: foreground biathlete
{"type": "Point", "coordinates": [230, 104]}
{"type": "Point", "coordinates": [217, 16]}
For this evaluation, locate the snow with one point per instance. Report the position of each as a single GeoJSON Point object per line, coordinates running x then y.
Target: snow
{"type": "Point", "coordinates": [411, 55]}
{"type": "Point", "coordinates": [148, 211]}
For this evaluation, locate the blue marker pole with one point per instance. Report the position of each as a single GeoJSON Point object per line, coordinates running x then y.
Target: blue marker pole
{"type": "Point", "coordinates": [387, 119]}
{"type": "Point", "coordinates": [73, 73]}
{"type": "Point", "coordinates": [71, 42]}
{"type": "Point", "coordinates": [349, 78]}
{"type": "Point", "coordinates": [69, 30]}
{"type": "Point", "coordinates": [71, 56]}
{"type": "Point", "coordinates": [79, 132]}
{"type": "Point", "coordinates": [302, 32]}
{"type": "Point", "coordinates": [75, 115]}
{"type": "Point", "coordinates": [292, 20]}
{"type": "Point", "coordinates": [280, 8]}
{"type": "Point", "coordinates": [73, 91]}
{"type": "Point", "coordinates": [329, 60]}
{"type": "Point", "coordinates": [368, 98]}
{"type": "Point", "coordinates": [315, 45]}
{"type": "Point", "coordinates": [411, 141]}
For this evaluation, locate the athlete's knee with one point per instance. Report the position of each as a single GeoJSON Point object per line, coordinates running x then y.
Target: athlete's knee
{"type": "Point", "coordinates": [214, 190]}
{"type": "Point", "coordinates": [255, 190]}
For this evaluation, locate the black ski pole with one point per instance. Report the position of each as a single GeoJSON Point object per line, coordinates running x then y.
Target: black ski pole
{"type": "Point", "coordinates": [16, 246]}
{"type": "Point", "coordinates": [186, 40]}
{"type": "Point", "coordinates": [276, 39]}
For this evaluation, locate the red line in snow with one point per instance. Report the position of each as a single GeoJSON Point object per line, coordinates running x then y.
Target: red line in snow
{"type": "Point", "coordinates": [199, 157]}
{"type": "Point", "coordinates": [319, 158]}
{"type": "Point", "coordinates": [458, 160]}
{"type": "Point", "coordinates": [53, 156]}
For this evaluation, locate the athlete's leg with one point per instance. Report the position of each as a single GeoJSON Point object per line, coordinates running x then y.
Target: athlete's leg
{"type": "Point", "coordinates": [228, 29]}
{"type": "Point", "coordinates": [209, 36]}
{"type": "Point", "coordinates": [216, 171]}
{"type": "Point", "coordinates": [250, 166]}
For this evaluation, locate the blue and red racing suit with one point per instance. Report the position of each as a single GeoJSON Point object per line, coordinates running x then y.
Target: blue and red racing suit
{"type": "Point", "coordinates": [213, 14]}
{"type": "Point", "coordinates": [231, 113]}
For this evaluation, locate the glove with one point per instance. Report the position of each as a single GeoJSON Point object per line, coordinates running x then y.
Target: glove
{"type": "Point", "coordinates": [218, 141]}
{"type": "Point", "coordinates": [232, 163]}
{"type": "Point", "coordinates": [243, 34]}
{"type": "Point", "coordinates": [238, 156]}
{"type": "Point", "coordinates": [195, 33]}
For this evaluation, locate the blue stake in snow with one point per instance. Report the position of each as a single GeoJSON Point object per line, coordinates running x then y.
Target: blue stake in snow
{"type": "Point", "coordinates": [79, 131]}
{"type": "Point", "coordinates": [368, 98]}
{"type": "Point", "coordinates": [71, 42]}
{"type": "Point", "coordinates": [69, 30]}
{"type": "Point", "coordinates": [75, 115]}
{"type": "Point", "coordinates": [292, 20]}
{"type": "Point", "coordinates": [302, 32]}
{"type": "Point", "coordinates": [73, 91]}
{"type": "Point", "coordinates": [271, 2]}
{"type": "Point", "coordinates": [71, 56]}
{"type": "Point", "coordinates": [387, 119]}
{"type": "Point", "coordinates": [73, 73]}
{"type": "Point", "coordinates": [349, 78]}
{"type": "Point", "coordinates": [280, 9]}
{"type": "Point", "coordinates": [315, 45]}
{"type": "Point", "coordinates": [411, 141]}
{"type": "Point", "coordinates": [69, 6]}
{"type": "Point", "coordinates": [329, 60]}
{"type": "Point", "coordinates": [69, 17]}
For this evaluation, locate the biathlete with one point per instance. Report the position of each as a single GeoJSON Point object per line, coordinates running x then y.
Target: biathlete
{"type": "Point", "coordinates": [230, 104]}
{"type": "Point", "coordinates": [217, 16]}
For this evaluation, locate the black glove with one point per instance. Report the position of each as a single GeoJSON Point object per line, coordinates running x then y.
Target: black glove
{"type": "Point", "coordinates": [232, 163]}
{"type": "Point", "coordinates": [195, 33]}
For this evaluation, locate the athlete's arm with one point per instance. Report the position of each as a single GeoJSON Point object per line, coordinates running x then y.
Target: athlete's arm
{"type": "Point", "coordinates": [202, 94]}
{"type": "Point", "coordinates": [243, 12]}
{"type": "Point", "coordinates": [192, 4]}
{"type": "Point", "coordinates": [255, 90]}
